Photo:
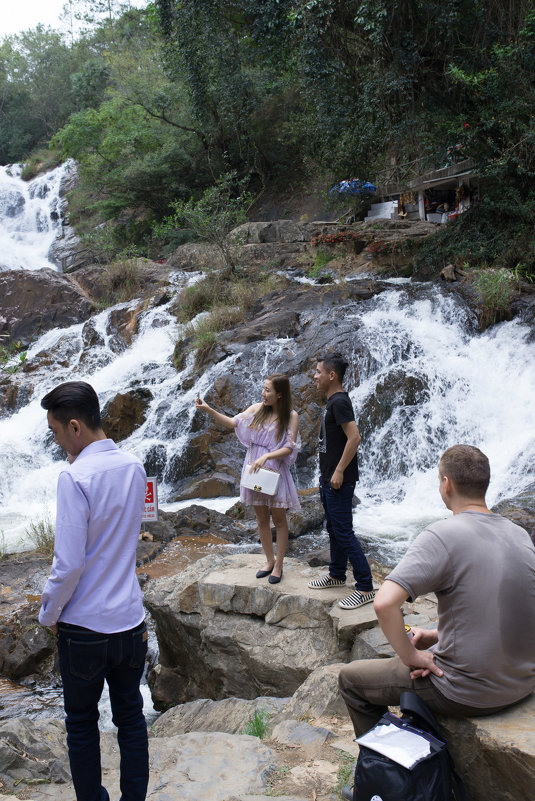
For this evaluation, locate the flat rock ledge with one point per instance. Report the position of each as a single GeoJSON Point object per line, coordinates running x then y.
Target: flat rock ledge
{"type": "Point", "coordinates": [222, 632]}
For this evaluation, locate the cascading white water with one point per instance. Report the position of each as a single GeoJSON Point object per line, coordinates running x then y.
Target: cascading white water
{"type": "Point", "coordinates": [478, 389]}
{"type": "Point", "coordinates": [465, 387]}
{"type": "Point", "coordinates": [30, 217]}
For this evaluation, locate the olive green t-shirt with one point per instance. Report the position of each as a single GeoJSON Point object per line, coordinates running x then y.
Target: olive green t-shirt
{"type": "Point", "coordinates": [482, 569]}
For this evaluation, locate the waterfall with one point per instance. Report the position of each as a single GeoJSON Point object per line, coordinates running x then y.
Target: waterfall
{"type": "Point", "coordinates": [30, 217]}
{"type": "Point", "coordinates": [421, 379]}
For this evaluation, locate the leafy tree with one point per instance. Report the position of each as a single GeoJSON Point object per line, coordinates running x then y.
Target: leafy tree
{"type": "Point", "coordinates": [219, 210]}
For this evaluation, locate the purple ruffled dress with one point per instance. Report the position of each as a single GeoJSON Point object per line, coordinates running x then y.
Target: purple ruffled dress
{"type": "Point", "coordinates": [263, 440]}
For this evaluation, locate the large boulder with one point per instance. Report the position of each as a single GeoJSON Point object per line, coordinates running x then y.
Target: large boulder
{"type": "Point", "coordinates": [223, 632]}
{"type": "Point", "coordinates": [35, 301]}
{"type": "Point", "coordinates": [495, 755]}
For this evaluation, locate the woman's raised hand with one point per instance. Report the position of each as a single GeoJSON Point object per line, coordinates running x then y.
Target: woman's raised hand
{"type": "Point", "coordinates": [201, 404]}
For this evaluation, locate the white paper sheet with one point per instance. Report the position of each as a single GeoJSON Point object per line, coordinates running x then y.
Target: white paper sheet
{"type": "Point", "coordinates": [404, 747]}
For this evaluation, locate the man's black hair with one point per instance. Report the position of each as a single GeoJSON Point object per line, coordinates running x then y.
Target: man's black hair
{"type": "Point", "coordinates": [74, 400]}
{"type": "Point", "coordinates": [336, 362]}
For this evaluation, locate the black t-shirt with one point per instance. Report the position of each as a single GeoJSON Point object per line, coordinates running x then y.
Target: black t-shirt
{"type": "Point", "coordinates": [332, 440]}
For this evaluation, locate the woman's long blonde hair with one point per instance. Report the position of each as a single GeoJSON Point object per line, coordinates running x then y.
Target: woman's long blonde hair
{"type": "Point", "coordinates": [281, 385]}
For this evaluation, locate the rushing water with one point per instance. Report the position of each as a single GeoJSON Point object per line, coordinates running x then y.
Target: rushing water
{"type": "Point", "coordinates": [421, 370]}
{"type": "Point", "coordinates": [30, 217]}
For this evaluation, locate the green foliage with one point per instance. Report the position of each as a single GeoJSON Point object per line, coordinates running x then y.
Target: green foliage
{"type": "Point", "coordinates": [320, 260]}
{"type": "Point", "coordinates": [12, 355]}
{"type": "Point", "coordinates": [496, 289]}
{"type": "Point", "coordinates": [157, 104]}
{"type": "Point", "coordinates": [219, 210]}
{"type": "Point", "coordinates": [35, 70]}
{"type": "Point", "coordinates": [483, 236]}
{"type": "Point", "coordinates": [41, 534]}
{"type": "Point", "coordinates": [258, 725]}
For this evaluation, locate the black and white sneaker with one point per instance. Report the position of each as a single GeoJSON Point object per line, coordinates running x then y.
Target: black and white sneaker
{"type": "Point", "coordinates": [357, 599]}
{"type": "Point", "coordinates": [325, 582]}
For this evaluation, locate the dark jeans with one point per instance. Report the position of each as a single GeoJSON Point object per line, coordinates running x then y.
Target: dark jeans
{"type": "Point", "coordinates": [344, 544]}
{"type": "Point", "coordinates": [86, 658]}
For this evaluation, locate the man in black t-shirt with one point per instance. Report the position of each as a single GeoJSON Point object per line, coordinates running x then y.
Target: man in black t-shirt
{"type": "Point", "coordinates": [339, 440]}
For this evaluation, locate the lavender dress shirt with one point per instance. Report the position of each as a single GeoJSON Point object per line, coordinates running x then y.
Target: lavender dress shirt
{"type": "Point", "coordinates": [93, 582]}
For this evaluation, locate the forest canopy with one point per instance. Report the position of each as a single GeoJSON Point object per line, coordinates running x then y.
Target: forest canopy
{"type": "Point", "coordinates": [157, 104]}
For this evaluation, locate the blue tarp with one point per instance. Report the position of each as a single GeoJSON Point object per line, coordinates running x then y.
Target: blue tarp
{"type": "Point", "coordinates": [353, 186]}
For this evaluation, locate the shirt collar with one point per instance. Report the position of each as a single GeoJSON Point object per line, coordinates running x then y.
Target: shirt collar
{"type": "Point", "coordinates": [98, 446]}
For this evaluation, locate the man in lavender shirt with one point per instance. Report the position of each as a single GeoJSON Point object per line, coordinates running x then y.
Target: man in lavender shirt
{"type": "Point", "coordinates": [92, 600]}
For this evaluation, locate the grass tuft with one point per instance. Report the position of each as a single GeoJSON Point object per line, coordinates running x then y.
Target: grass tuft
{"type": "Point", "coordinates": [496, 289]}
{"type": "Point", "coordinates": [40, 534]}
{"type": "Point", "coordinates": [258, 725]}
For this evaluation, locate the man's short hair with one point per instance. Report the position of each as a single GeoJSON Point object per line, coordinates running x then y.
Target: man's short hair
{"type": "Point", "coordinates": [74, 400]}
{"type": "Point", "coordinates": [336, 362]}
{"type": "Point", "coordinates": [468, 468]}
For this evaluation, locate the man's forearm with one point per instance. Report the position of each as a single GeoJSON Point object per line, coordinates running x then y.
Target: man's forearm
{"type": "Point", "coordinates": [391, 622]}
{"type": "Point", "coordinates": [348, 453]}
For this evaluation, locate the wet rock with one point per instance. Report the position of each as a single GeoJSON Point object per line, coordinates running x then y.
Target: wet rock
{"type": "Point", "coordinates": [195, 520]}
{"type": "Point", "coordinates": [35, 301]}
{"type": "Point", "coordinates": [213, 486]}
{"type": "Point", "coordinates": [68, 252]}
{"type": "Point", "coordinates": [122, 326]}
{"type": "Point", "coordinates": [12, 203]}
{"type": "Point", "coordinates": [155, 461]}
{"type": "Point", "coordinates": [124, 413]}
{"type": "Point", "coordinates": [26, 648]}
{"type": "Point", "coordinates": [309, 518]}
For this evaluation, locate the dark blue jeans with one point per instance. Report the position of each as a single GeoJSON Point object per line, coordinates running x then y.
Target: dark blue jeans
{"type": "Point", "coordinates": [344, 545]}
{"type": "Point", "coordinates": [86, 659]}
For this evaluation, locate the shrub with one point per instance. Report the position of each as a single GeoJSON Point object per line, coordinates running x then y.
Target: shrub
{"type": "Point", "coordinates": [221, 208]}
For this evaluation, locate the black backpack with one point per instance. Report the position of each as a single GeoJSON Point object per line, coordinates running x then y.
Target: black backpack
{"type": "Point", "coordinates": [379, 778]}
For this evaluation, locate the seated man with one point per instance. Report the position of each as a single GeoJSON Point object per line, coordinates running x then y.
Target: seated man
{"type": "Point", "coordinates": [482, 569]}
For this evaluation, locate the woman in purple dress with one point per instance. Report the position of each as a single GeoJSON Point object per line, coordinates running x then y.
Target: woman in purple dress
{"type": "Point", "coordinates": [270, 431]}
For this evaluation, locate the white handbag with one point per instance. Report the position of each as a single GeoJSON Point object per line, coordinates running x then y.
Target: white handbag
{"type": "Point", "coordinates": [263, 480]}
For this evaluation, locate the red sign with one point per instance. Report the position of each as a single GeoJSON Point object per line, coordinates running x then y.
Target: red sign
{"type": "Point", "coordinates": [151, 500]}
